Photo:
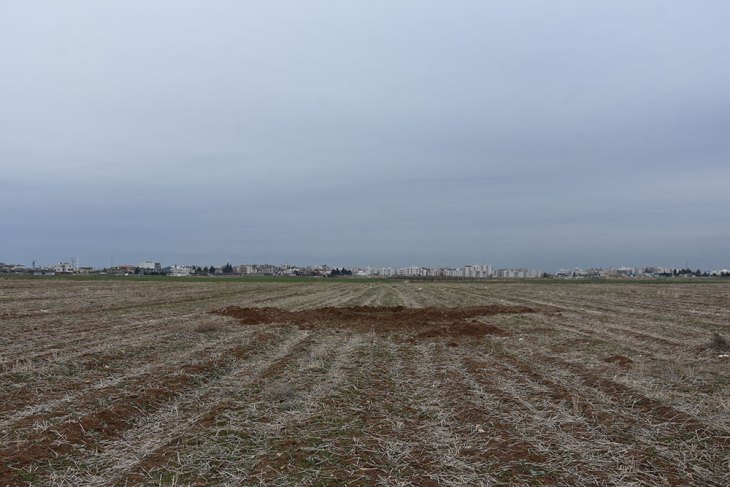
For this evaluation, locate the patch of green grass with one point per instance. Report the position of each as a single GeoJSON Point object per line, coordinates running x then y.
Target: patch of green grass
{"type": "Point", "coordinates": [28, 476]}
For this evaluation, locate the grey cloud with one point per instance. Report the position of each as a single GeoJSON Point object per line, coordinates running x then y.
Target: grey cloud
{"type": "Point", "coordinates": [537, 133]}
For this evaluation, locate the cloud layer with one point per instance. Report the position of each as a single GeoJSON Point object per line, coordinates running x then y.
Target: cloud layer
{"type": "Point", "coordinates": [543, 134]}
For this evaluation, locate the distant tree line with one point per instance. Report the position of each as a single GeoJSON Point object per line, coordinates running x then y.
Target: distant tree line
{"type": "Point", "coordinates": [688, 272]}
{"type": "Point", "coordinates": [148, 272]}
{"type": "Point", "coordinates": [685, 273]}
{"type": "Point", "coordinates": [340, 272]}
{"type": "Point", "coordinates": [205, 271]}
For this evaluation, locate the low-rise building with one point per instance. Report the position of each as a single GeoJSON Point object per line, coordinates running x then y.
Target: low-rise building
{"type": "Point", "coordinates": [148, 265]}
{"type": "Point", "coordinates": [63, 268]}
{"type": "Point", "coordinates": [181, 270]}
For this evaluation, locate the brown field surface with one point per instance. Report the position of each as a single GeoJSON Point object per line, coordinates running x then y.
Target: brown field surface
{"type": "Point", "coordinates": [116, 382]}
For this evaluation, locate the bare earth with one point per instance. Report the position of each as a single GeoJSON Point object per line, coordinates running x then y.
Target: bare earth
{"type": "Point", "coordinates": [337, 383]}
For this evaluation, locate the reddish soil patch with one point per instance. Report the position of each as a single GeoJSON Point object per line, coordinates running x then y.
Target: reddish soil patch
{"type": "Point", "coordinates": [425, 322]}
{"type": "Point", "coordinates": [126, 403]}
{"type": "Point", "coordinates": [86, 431]}
{"type": "Point", "coordinates": [469, 329]}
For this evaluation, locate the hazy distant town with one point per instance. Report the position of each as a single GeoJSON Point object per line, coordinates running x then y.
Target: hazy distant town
{"type": "Point", "coordinates": [472, 271]}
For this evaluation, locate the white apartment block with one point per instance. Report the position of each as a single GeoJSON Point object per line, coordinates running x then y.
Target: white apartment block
{"type": "Point", "coordinates": [519, 273]}
{"type": "Point", "coordinates": [181, 270]}
{"type": "Point", "coordinates": [247, 269]}
{"type": "Point", "coordinates": [478, 271]}
{"type": "Point", "coordinates": [63, 268]}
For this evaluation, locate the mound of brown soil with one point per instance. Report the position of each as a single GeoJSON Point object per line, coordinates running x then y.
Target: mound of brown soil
{"type": "Point", "coordinates": [425, 322]}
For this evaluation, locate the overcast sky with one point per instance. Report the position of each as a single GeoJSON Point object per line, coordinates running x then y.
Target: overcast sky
{"type": "Point", "coordinates": [411, 132]}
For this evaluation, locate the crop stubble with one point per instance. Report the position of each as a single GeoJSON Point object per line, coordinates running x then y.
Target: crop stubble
{"type": "Point", "coordinates": [114, 382]}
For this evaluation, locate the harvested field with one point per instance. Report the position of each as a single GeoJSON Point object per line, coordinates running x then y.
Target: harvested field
{"type": "Point", "coordinates": [365, 383]}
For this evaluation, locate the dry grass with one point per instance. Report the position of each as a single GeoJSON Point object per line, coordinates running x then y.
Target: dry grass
{"type": "Point", "coordinates": [127, 383]}
{"type": "Point", "coordinates": [718, 343]}
{"type": "Point", "coordinates": [209, 327]}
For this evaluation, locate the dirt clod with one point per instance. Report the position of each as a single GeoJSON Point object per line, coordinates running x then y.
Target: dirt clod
{"type": "Point", "coordinates": [619, 360]}
{"type": "Point", "coordinates": [719, 343]}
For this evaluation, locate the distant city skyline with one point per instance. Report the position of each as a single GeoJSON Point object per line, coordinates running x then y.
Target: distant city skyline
{"type": "Point", "coordinates": [76, 262]}
{"type": "Point", "coordinates": [536, 134]}
{"type": "Point", "coordinates": [129, 259]}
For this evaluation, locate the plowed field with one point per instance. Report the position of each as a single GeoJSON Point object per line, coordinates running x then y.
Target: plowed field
{"type": "Point", "coordinates": [347, 383]}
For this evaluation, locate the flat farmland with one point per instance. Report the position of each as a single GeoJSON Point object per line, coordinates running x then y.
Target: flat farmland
{"type": "Point", "coordinates": [231, 382]}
